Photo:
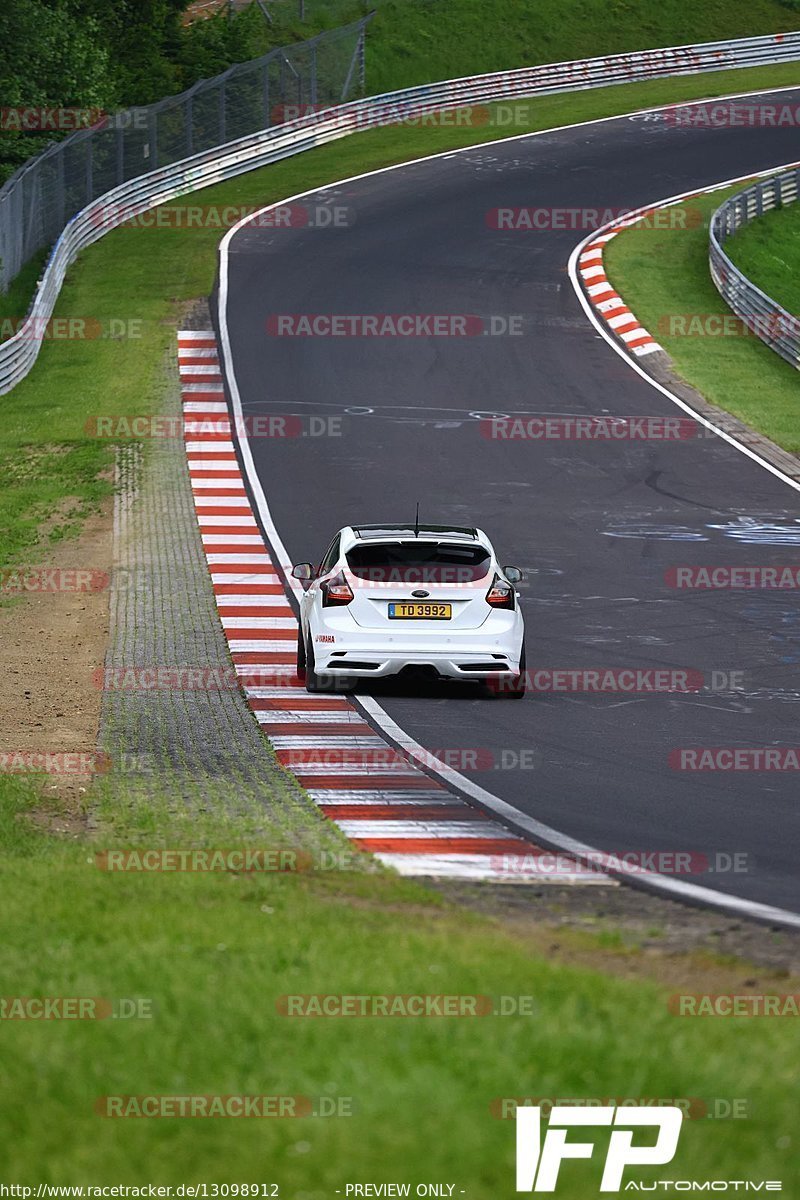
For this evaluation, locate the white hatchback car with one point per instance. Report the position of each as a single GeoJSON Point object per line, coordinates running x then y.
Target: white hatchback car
{"type": "Point", "coordinates": [391, 598]}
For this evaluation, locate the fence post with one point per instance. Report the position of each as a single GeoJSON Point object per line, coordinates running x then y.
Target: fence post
{"type": "Point", "coordinates": [188, 116]}
{"type": "Point", "coordinates": [356, 62]}
{"type": "Point", "coordinates": [89, 170]}
{"type": "Point", "coordinates": [152, 135]}
{"type": "Point", "coordinates": [313, 72]}
{"type": "Point", "coordinates": [30, 241]}
{"type": "Point", "coordinates": [222, 121]}
{"type": "Point", "coordinates": [17, 193]}
{"type": "Point", "coordinates": [5, 233]}
{"type": "Point", "coordinates": [120, 148]}
{"type": "Point", "coordinates": [61, 199]}
{"type": "Point", "coordinates": [362, 54]}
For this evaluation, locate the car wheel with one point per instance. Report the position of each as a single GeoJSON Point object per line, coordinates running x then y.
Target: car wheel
{"type": "Point", "coordinates": [313, 681]}
{"type": "Point", "coordinates": [518, 685]}
{"type": "Point", "coordinates": [301, 654]}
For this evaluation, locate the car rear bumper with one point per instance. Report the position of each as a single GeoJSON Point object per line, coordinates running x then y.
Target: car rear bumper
{"type": "Point", "coordinates": [463, 659]}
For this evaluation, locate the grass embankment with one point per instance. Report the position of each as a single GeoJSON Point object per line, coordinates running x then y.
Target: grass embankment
{"type": "Point", "coordinates": [663, 275]}
{"type": "Point", "coordinates": [212, 954]}
{"type": "Point", "coordinates": [130, 286]}
{"type": "Point", "coordinates": [768, 252]}
{"type": "Point", "coordinates": [416, 41]}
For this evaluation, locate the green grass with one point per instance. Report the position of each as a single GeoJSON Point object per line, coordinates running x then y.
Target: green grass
{"type": "Point", "coordinates": [146, 275]}
{"type": "Point", "coordinates": [15, 301]}
{"type": "Point", "coordinates": [768, 252]}
{"type": "Point", "coordinates": [213, 953]}
{"type": "Point", "coordinates": [417, 41]}
{"type": "Point", "coordinates": [663, 275]}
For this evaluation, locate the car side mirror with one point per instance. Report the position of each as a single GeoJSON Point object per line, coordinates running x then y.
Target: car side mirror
{"type": "Point", "coordinates": [513, 574]}
{"type": "Point", "coordinates": [304, 572]}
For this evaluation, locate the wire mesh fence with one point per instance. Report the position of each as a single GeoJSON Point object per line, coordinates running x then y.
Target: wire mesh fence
{"type": "Point", "coordinates": [39, 199]}
{"type": "Point", "coordinates": [293, 133]}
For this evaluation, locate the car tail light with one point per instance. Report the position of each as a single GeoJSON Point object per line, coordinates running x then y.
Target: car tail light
{"type": "Point", "coordinates": [336, 591]}
{"type": "Point", "coordinates": [500, 594]}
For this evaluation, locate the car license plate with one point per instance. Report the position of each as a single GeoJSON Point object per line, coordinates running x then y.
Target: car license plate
{"type": "Point", "coordinates": [420, 611]}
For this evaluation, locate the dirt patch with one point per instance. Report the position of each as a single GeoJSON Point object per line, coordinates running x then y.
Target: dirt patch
{"type": "Point", "coordinates": [53, 641]}
{"type": "Point", "coordinates": [636, 934]}
{"type": "Point", "coordinates": [618, 931]}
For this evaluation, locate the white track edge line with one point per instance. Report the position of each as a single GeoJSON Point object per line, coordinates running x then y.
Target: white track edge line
{"type": "Point", "coordinates": [600, 324]}
{"type": "Point", "coordinates": [693, 893]}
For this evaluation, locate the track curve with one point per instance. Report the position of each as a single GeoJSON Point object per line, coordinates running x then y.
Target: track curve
{"type": "Point", "coordinates": [595, 525]}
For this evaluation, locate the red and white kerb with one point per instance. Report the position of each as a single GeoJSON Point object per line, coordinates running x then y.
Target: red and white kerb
{"type": "Point", "coordinates": [410, 821]}
{"type": "Point", "coordinates": [608, 303]}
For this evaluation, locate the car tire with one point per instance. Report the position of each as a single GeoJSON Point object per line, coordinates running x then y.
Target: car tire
{"type": "Point", "coordinates": [313, 681]}
{"type": "Point", "coordinates": [518, 685]}
{"type": "Point", "coordinates": [301, 654]}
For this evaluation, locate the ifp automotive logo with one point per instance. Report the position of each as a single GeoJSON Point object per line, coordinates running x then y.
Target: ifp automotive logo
{"type": "Point", "coordinates": [538, 1162]}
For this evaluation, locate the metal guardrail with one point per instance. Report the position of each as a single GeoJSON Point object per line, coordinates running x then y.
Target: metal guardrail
{"type": "Point", "coordinates": [49, 189]}
{"type": "Point", "coordinates": [759, 312]}
{"type": "Point", "coordinates": [19, 353]}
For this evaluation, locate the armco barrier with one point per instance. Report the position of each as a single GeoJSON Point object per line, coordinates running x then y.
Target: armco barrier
{"type": "Point", "coordinates": [50, 188]}
{"type": "Point", "coordinates": [18, 354]}
{"type": "Point", "coordinates": [773, 324]}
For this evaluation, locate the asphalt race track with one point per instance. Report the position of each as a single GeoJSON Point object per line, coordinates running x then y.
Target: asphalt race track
{"type": "Point", "coordinates": [595, 525]}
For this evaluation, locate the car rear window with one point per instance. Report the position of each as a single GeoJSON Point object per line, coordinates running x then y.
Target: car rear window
{"type": "Point", "coordinates": [419, 562]}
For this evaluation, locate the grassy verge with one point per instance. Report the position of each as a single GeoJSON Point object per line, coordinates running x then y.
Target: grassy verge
{"type": "Point", "coordinates": [415, 41]}
{"type": "Point", "coordinates": [211, 955]}
{"type": "Point", "coordinates": [768, 252]}
{"type": "Point", "coordinates": [130, 286]}
{"type": "Point", "coordinates": [663, 275]}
